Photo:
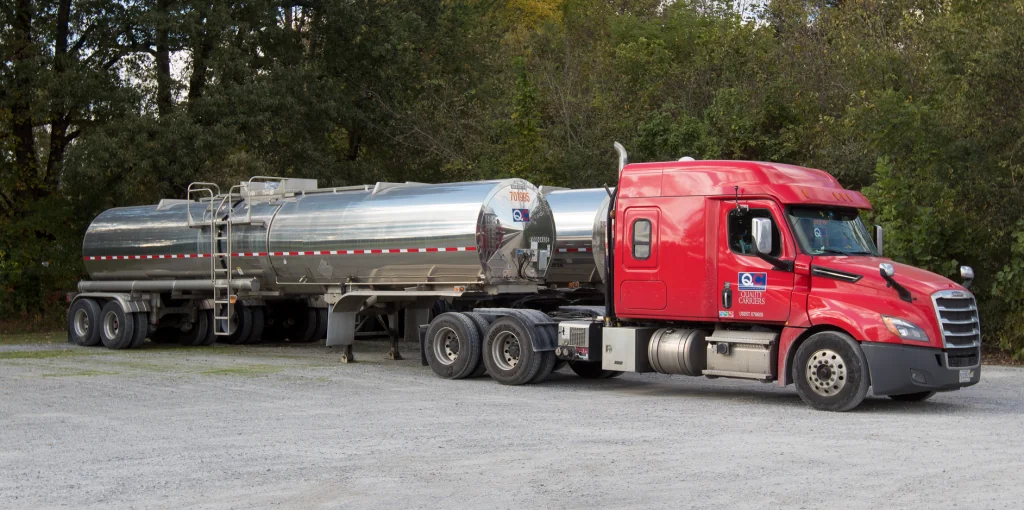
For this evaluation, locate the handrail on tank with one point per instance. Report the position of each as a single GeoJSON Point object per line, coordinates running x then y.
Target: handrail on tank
{"type": "Point", "coordinates": [207, 187]}
{"type": "Point", "coordinates": [248, 187]}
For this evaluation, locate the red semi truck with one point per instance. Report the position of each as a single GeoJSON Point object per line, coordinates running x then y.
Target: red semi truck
{"type": "Point", "coordinates": [770, 269]}
{"type": "Point", "coordinates": [751, 270]}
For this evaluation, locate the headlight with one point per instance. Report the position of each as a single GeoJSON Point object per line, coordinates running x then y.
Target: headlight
{"type": "Point", "coordinates": [904, 329]}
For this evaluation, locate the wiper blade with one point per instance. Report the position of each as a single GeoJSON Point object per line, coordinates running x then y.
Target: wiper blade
{"type": "Point", "coordinates": [841, 252]}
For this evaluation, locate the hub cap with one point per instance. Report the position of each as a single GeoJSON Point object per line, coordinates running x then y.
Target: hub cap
{"type": "Point", "coordinates": [446, 346]}
{"type": "Point", "coordinates": [506, 350]}
{"type": "Point", "coordinates": [81, 324]}
{"type": "Point", "coordinates": [111, 325]}
{"type": "Point", "coordinates": [826, 372]}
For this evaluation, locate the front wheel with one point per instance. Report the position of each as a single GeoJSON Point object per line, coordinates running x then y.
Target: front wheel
{"type": "Point", "coordinates": [831, 372]}
{"type": "Point", "coordinates": [913, 397]}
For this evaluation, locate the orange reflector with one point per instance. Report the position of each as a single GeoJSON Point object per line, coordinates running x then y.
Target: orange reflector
{"type": "Point", "coordinates": [234, 299]}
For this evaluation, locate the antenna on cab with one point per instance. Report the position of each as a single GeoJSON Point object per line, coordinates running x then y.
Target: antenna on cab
{"type": "Point", "coordinates": [739, 207]}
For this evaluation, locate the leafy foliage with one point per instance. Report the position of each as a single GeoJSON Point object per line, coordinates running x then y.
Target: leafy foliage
{"type": "Point", "coordinates": [917, 103]}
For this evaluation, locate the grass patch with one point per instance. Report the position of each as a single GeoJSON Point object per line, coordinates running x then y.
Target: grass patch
{"type": "Point", "coordinates": [62, 353]}
{"type": "Point", "coordinates": [249, 370]}
{"type": "Point", "coordinates": [79, 373]}
{"type": "Point", "coordinates": [52, 337]}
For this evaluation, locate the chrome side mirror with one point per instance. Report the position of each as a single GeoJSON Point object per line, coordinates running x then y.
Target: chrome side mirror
{"type": "Point", "coordinates": [887, 270]}
{"type": "Point", "coordinates": [761, 230]}
{"type": "Point", "coordinates": [879, 241]}
{"type": "Point", "coordinates": [967, 275]}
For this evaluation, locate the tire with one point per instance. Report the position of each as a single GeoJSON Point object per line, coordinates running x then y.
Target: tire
{"type": "Point", "coordinates": [589, 370]}
{"type": "Point", "coordinates": [196, 332]}
{"type": "Point", "coordinates": [84, 323]}
{"type": "Point", "coordinates": [141, 330]}
{"type": "Point", "coordinates": [256, 324]}
{"type": "Point", "coordinates": [211, 333]}
{"type": "Point", "coordinates": [452, 345]}
{"type": "Point", "coordinates": [482, 324]}
{"type": "Point", "coordinates": [202, 329]}
{"type": "Point", "coordinates": [117, 328]}
{"type": "Point", "coordinates": [304, 327]}
{"type": "Point", "coordinates": [321, 324]}
{"type": "Point", "coordinates": [242, 326]}
{"type": "Point", "coordinates": [508, 351]}
{"type": "Point", "coordinates": [560, 364]}
{"type": "Point", "coordinates": [831, 372]}
{"type": "Point", "coordinates": [913, 397]}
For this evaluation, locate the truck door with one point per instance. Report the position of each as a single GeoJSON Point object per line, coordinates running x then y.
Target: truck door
{"type": "Point", "coordinates": [750, 289]}
{"type": "Point", "coordinates": [641, 289]}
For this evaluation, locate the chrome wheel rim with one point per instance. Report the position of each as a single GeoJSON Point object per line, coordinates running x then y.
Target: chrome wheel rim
{"type": "Point", "coordinates": [111, 325]}
{"type": "Point", "coordinates": [826, 372]}
{"type": "Point", "coordinates": [81, 323]}
{"type": "Point", "coordinates": [505, 350]}
{"type": "Point", "coordinates": [446, 346]}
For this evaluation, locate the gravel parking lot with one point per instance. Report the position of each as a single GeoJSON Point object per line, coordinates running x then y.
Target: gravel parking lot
{"type": "Point", "coordinates": [291, 426]}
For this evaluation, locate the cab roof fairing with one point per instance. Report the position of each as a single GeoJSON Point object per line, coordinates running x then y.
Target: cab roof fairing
{"type": "Point", "coordinates": [789, 184]}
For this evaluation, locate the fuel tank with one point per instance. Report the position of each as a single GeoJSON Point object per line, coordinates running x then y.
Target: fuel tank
{"type": "Point", "coordinates": [482, 232]}
{"type": "Point", "coordinates": [576, 214]}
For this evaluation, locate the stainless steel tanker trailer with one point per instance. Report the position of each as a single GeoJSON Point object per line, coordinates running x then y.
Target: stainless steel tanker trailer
{"type": "Point", "coordinates": [281, 258]}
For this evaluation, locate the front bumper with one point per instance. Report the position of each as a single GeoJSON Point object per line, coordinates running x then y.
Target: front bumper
{"type": "Point", "coordinates": [900, 369]}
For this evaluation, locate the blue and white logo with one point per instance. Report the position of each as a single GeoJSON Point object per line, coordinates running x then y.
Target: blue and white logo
{"type": "Point", "coordinates": [753, 281]}
{"type": "Point", "coordinates": [521, 215]}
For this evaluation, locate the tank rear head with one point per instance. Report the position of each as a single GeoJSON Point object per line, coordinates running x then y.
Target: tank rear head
{"type": "Point", "coordinates": [515, 233]}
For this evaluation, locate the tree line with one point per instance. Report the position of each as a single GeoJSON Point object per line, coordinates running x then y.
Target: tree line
{"type": "Point", "coordinates": [916, 103]}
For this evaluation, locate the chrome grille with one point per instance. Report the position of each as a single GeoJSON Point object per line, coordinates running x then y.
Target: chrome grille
{"type": "Point", "coordinates": [958, 318]}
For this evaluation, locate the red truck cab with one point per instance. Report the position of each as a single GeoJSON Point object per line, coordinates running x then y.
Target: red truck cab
{"type": "Point", "coordinates": [741, 245]}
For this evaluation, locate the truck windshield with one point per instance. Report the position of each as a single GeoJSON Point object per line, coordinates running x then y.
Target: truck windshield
{"type": "Point", "coordinates": [830, 231]}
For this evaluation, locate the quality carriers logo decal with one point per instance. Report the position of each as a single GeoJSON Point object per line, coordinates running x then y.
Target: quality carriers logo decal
{"type": "Point", "coordinates": [753, 281]}
{"type": "Point", "coordinates": [521, 215]}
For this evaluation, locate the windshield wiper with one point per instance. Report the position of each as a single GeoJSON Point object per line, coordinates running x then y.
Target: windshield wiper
{"type": "Point", "coordinates": [841, 252]}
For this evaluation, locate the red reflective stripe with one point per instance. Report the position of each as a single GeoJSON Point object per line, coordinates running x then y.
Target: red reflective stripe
{"type": "Point", "coordinates": [379, 251]}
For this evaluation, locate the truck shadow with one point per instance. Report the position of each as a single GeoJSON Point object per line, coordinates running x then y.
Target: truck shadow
{"type": "Point", "coordinates": [679, 387]}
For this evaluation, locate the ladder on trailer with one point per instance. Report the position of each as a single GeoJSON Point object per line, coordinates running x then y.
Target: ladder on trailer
{"type": "Point", "coordinates": [220, 263]}
{"type": "Point", "coordinates": [219, 208]}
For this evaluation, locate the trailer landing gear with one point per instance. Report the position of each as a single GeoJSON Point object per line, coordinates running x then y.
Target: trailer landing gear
{"type": "Point", "coordinates": [347, 356]}
{"type": "Point", "coordinates": [393, 354]}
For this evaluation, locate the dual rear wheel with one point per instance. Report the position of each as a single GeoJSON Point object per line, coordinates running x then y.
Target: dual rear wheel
{"type": "Point", "coordinates": [461, 345]}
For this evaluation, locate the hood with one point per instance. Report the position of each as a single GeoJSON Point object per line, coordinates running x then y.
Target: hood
{"type": "Point", "coordinates": [849, 292]}
{"type": "Point", "coordinates": [919, 282]}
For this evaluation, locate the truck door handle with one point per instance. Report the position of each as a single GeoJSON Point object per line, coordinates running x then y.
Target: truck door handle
{"type": "Point", "coordinates": [727, 296]}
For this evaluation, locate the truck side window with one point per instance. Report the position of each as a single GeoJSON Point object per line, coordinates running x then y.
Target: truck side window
{"type": "Point", "coordinates": [641, 239]}
{"type": "Point", "coordinates": [740, 239]}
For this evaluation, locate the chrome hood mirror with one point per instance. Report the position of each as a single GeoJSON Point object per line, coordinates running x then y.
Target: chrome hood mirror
{"type": "Point", "coordinates": [967, 275]}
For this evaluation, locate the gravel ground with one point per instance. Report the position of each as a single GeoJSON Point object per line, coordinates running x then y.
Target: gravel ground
{"type": "Point", "coordinates": [290, 426]}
